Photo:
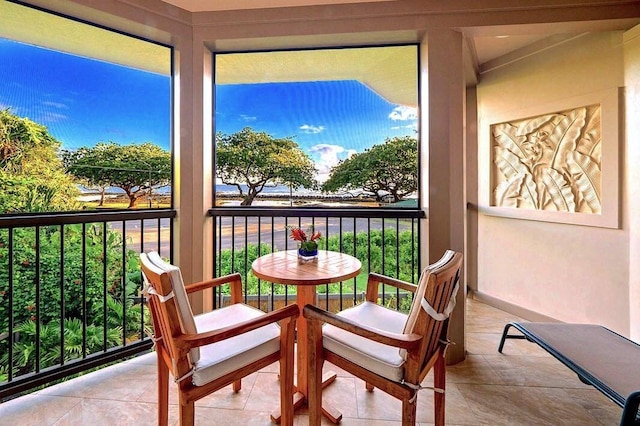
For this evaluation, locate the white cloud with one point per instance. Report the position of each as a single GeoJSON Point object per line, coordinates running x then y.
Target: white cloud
{"type": "Point", "coordinates": [329, 156]}
{"type": "Point", "coordinates": [58, 105]}
{"type": "Point", "coordinates": [53, 117]}
{"type": "Point", "coordinates": [248, 117]}
{"type": "Point", "coordinates": [404, 113]}
{"type": "Point", "coordinates": [310, 129]}
{"type": "Point", "coordinates": [413, 126]}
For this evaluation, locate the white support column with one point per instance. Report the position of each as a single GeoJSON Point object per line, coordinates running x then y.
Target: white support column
{"type": "Point", "coordinates": [443, 132]}
{"type": "Point", "coordinates": [193, 177]}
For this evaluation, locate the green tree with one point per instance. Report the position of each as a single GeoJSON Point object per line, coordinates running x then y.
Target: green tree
{"type": "Point", "coordinates": [256, 159]}
{"type": "Point", "coordinates": [78, 163]}
{"type": "Point", "coordinates": [32, 177]}
{"type": "Point", "coordinates": [389, 168]}
{"type": "Point", "coordinates": [136, 169]}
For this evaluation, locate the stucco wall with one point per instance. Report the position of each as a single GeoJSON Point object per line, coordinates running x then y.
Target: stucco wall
{"type": "Point", "coordinates": [568, 272]}
{"type": "Point", "coordinates": [632, 171]}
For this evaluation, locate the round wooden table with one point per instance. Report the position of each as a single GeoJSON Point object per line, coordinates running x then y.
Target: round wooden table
{"type": "Point", "coordinates": [283, 267]}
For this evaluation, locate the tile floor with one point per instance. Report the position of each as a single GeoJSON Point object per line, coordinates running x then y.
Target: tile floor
{"type": "Point", "coordinates": [522, 386]}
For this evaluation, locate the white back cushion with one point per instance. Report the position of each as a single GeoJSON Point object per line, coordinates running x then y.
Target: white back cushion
{"type": "Point", "coordinates": [187, 323]}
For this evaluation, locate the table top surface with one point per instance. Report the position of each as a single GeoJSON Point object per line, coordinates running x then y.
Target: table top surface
{"type": "Point", "coordinates": [283, 267]}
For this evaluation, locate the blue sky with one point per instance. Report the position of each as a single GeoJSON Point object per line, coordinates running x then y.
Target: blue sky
{"type": "Point", "coordinates": [84, 101]}
{"type": "Point", "coordinates": [328, 119]}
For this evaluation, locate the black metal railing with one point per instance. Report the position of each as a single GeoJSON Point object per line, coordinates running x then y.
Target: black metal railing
{"type": "Point", "coordinates": [69, 282]}
{"type": "Point", "coordinates": [386, 241]}
{"type": "Point", "coordinates": [69, 291]}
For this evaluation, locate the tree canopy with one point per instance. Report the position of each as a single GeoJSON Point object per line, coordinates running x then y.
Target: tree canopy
{"type": "Point", "coordinates": [256, 159]}
{"type": "Point", "coordinates": [136, 169]}
{"type": "Point", "coordinates": [389, 168]}
{"type": "Point", "coordinates": [32, 177]}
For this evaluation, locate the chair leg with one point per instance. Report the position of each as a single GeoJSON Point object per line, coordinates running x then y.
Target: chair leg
{"type": "Point", "coordinates": [237, 386]}
{"type": "Point", "coordinates": [315, 362]}
{"type": "Point", "coordinates": [439, 383]}
{"type": "Point", "coordinates": [287, 338]}
{"type": "Point", "coordinates": [187, 413]}
{"type": "Point", "coordinates": [163, 392]}
{"type": "Point", "coordinates": [409, 412]}
{"type": "Point", "coordinates": [286, 390]}
{"type": "Point", "coordinates": [368, 386]}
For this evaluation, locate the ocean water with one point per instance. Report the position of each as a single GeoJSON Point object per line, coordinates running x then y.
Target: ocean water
{"type": "Point", "coordinates": [271, 190]}
{"type": "Point", "coordinates": [283, 190]}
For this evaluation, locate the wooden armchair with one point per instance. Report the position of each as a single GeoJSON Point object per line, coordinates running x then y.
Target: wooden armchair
{"type": "Point", "coordinates": [207, 352]}
{"type": "Point", "coordinates": [386, 348]}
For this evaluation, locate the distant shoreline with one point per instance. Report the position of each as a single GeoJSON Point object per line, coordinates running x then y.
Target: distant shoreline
{"type": "Point", "coordinates": [163, 200]}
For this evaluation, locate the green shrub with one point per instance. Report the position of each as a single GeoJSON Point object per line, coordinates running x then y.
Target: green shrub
{"type": "Point", "coordinates": [368, 249]}
{"type": "Point", "coordinates": [70, 278]}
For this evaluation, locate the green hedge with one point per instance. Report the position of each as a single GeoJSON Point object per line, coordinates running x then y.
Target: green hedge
{"type": "Point", "coordinates": [71, 287]}
{"type": "Point", "coordinates": [368, 248]}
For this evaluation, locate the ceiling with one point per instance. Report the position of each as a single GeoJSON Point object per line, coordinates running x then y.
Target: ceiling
{"type": "Point", "coordinates": [489, 47]}
{"type": "Point", "coordinates": [486, 44]}
{"type": "Point", "coordinates": [214, 5]}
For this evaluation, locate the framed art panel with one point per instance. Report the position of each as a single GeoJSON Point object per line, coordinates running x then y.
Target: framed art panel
{"type": "Point", "coordinates": [554, 162]}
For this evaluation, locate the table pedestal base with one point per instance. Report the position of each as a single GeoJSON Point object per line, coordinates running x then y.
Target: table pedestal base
{"type": "Point", "coordinates": [300, 400]}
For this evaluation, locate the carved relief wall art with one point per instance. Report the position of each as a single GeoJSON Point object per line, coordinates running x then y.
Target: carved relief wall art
{"type": "Point", "coordinates": [556, 162]}
{"type": "Point", "coordinates": [549, 162]}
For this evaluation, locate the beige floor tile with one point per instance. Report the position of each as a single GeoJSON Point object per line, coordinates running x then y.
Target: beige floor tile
{"type": "Point", "coordinates": [122, 382]}
{"type": "Point", "coordinates": [377, 405]}
{"type": "Point", "coordinates": [602, 408]}
{"type": "Point", "coordinates": [228, 399]}
{"type": "Point", "coordinates": [265, 393]}
{"type": "Point", "coordinates": [533, 371]}
{"type": "Point", "coordinates": [474, 369]}
{"type": "Point", "coordinates": [519, 405]}
{"type": "Point", "coordinates": [36, 410]}
{"type": "Point", "coordinates": [482, 343]}
{"type": "Point", "coordinates": [523, 386]}
{"type": "Point", "coordinates": [221, 417]}
{"type": "Point", "coordinates": [109, 412]}
{"type": "Point", "coordinates": [341, 395]}
{"type": "Point", "coordinates": [457, 411]}
{"type": "Point", "coordinates": [223, 398]}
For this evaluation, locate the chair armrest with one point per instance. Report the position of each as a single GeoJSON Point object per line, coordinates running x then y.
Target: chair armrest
{"type": "Point", "coordinates": [235, 281]}
{"type": "Point", "coordinates": [375, 280]}
{"type": "Point", "coordinates": [189, 341]}
{"type": "Point", "coordinates": [402, 341]}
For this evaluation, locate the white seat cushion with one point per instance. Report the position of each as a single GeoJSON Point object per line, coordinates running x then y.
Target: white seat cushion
{"type": "Point", "coordinates": [221, 358]}
{"type": "Point", "coordinates": [381, 359]}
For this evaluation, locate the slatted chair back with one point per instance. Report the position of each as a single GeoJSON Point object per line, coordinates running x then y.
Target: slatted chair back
{"type": "Point", "coordinates": [168, 317]}
{"type": "Point", "coordinates": [433, 302]}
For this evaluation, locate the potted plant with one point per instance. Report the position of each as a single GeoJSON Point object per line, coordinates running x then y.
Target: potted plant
{"type": "Point", "coordinates": [307, 245]}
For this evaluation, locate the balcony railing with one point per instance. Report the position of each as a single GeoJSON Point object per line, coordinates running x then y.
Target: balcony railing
{"type": "Point", "coordinates": [385, 240]}
{"type": "Point", "coordinates": [70, 282]}
{"type": "Point", "coordinates": [69, 291]}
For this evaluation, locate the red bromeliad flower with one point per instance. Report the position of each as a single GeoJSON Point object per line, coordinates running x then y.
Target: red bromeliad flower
{"type": "Point", "coordinates": [299, 235]}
